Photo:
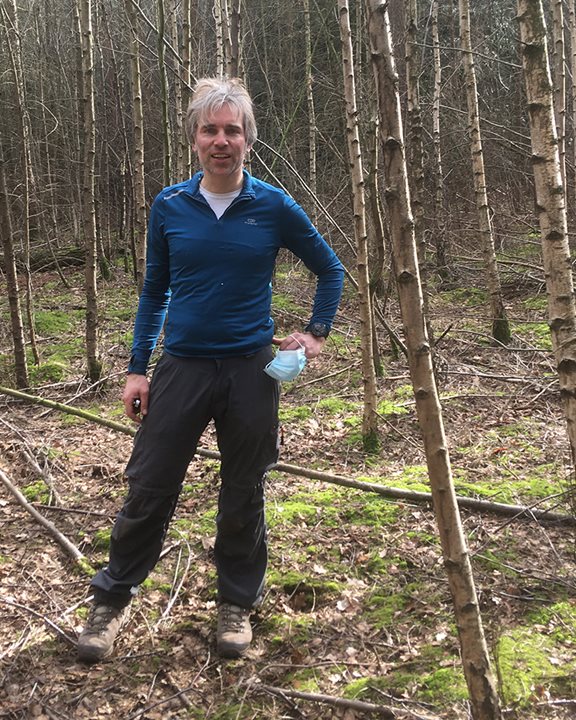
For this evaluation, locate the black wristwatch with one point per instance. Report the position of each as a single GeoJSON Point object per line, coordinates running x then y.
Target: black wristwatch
{"type": "Point", "coordinates": [318, 329]}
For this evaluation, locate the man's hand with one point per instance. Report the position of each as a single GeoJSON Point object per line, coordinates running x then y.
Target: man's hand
{"type": "Point", "coordinates": [136, 389]}
{"type": "Point", "coordinates": [312, 345]}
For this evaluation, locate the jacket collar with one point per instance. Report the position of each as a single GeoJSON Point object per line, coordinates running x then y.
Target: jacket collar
{"type": "Point", "coordinates": [248, 190]}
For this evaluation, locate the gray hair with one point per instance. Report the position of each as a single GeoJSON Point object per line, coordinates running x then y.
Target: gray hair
{"type": "Point", "coordinates": [210, 94]}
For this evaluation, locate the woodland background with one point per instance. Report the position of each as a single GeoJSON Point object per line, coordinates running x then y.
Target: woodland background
{"type": "Point", "coordinates": [358, 606]}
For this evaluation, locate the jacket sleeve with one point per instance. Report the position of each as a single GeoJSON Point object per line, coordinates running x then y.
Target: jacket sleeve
{"type": "Point", "coordinates": [301, 237]}
{"type": "Point", "coordinates": [155, 295]}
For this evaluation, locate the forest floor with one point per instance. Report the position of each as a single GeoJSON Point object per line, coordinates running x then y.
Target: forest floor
{"type": "Point", "coordinates": [357, 605]}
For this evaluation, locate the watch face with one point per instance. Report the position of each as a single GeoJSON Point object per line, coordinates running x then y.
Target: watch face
{"type": "Point", "coordinates": [318, 329]}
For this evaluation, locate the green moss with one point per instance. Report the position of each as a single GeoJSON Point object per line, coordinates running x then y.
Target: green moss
{"type": "Point", "coordinates": [48, 372]}
{"type": "Point", "coordinates": [526, 657]}
{"type": "Point", "coordinates": [310, 589]}
{"type": "Point", "coordinates": [291, 414]}
{"type": "Point", "coordinates": [368, 509]}
{"type": "Point", "coordinates": [536, 303]}
{"type": "Point", "coordinates": [470, 297]}
{"type": "Point", "coordinates": [101, 539]}
{"type": "Point", "coordinates": [538, 334]}
{"type": "Point", "coordinates": [337, 406]}
{"type": "Point", "coordinates": [445, 685]}
{"type": "Point", "coordinates": [382, 609]}
{"type": "Point", "coordinates": [388, 408]}
{"type": "Point", "coordinates": [305, 680]}
{"type": "Point", "coordinates": [37, 492]}
{"type": "Point", "coordinates": [53, 322]}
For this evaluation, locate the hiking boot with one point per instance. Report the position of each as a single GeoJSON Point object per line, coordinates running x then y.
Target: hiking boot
{"type": "Point", "coordinates": [97, 639]}
{"type": "Point", "coordinates": [234, 632]}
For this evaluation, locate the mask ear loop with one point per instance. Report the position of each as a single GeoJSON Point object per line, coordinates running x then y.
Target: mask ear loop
{"type": "Point", "coordinates": [298, 341]}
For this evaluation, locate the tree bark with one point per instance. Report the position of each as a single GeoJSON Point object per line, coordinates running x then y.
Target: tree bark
{"type": "Point", "coordinates": [550, 205]}
{"type": "Point", "coordinates": [559, 77]}
{"type": "Point", "coordinates": [11, 26]}
{"type": "Point", "coordinates": [440, 237]}
{"type": "Point", "coordinates": [165, 128]}
{"type": "Point", "coordinates": [474, 652]}
{"type": "Point", "coordinates": [139, 242]}
{"type": "Point", "coordinates": [370, 417]}
{"type": "Point", "coordinates": [88, 190]}
{"type": "Point", "coordinates": [500, 325]}
{"type": "Point", "coordinates": [19, 344]}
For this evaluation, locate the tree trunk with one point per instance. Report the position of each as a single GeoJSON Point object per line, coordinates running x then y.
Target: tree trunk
{"type": "Point", "coordinates": [139, 243]}
{"type": "Point", "coordinates": [550, 205]}
{"type": "Point", "coordinates": [88, 190]}
{"type": "Point", "coordinates": [559, 76]}
{"type": "Point", "coordinates": [312, 129]}
{"type": "Point", "coordinates": [414, 128]}
{"type": "Point", "coordinates": [476, 663]}
{"type": "Point", "coordinates": [234, 59]}
{"type": "Point", "coordinates": [220, 51]}
{"type": "Point", "coordinates": [186, 80]}
{"type": "Point", "coordinates": [500, 325]}
{"type": "Point", "coordinates": [440, 237]}
{"type": "Point", "coordinates": [572, 10]}
{"type": "Point", "coordinates": [10, 12]}
{"type": "Point", "coordinates": [165, 129]}
{"type": "Point", "coordinates": [20, 361]}
{"type": "Point", "coordinates": [370, 417]}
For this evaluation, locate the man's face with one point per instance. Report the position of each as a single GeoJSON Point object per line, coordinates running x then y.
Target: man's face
{"type": "Point", "coordinates": [221, 146]}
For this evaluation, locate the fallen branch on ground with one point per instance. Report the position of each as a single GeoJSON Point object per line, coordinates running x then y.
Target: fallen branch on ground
{"type": "Point", "coordinates": [61, 539]}
{"type": "Point", "coordinates": [360, 705]}
{"type": "Point", "coordinates": [516, 511]}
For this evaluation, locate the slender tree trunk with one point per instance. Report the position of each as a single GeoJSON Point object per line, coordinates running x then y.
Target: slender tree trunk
{"type": "Point", "coordinates": [414, 127]}
{"type": "Point", "coordinates": [550, 204]}
{"type": "Point", "coordinates": [88, 190]}
{"type": "Point", "coordinates": [475, 659]}
{"type": "Point", "coordinates": [139, 244]}
{"type": "Point", "coordinates": [179, 163]}
{"type": "Point", "coordinates": [20, 361]}
{"type": "Point", "coordinates": [220, 51]}
{"type": "Point", "coordinates": [572, 9]}
{"type": "Point", "coordinates": [500, 325]}
{"type": "Point", "coordinates": [312, 129]}
{"type": "Point", "coordinates": [440, 236]}
{"type": "Point", "coordinates": [10, 12]}
{"type": "Point", "coordinates": [165, 129]}
{"type": "Point", "coordinates": [559, 77]}
{"type": "Point", "coordinates": [370, 417]}
{"type": "Point", "coordinates": [234, 60]}
{"type": "Point", "coordinates": [186, 79]}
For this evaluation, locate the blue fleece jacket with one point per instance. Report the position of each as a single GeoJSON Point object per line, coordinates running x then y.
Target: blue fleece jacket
{"type": "Point", "coordinates": [210, 278]}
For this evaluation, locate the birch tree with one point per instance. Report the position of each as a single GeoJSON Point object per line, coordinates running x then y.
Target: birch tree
{"type": "Point", "coordinates": [139, 239]}
{"type": "Point", "coordinates": [165, 127]}
{"type": "Point", "coordinates": [500, 325]}
{"type": "Point", "coordinates": [88, 189]}
{"type": "Point", "coordinates": [550, 204]}
{"type": "Point", "coordinates": [440, 238]}
{"type": "Point", "coordinates": [370, 417]}
{"type": "Point", "coordinates": [475, 659]}
{"type": "Point", "coordinates": [559, 78]}
{"type": "Point", "coordinates": [20, 362]}
{"type": "Point", "coordinates": [312, 129]}
{"type": "Point", "coordinates": [13, 41]}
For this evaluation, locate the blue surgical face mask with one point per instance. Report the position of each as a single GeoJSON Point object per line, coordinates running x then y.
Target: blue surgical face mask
{"type": "Point", "coordinates": [286, 365]}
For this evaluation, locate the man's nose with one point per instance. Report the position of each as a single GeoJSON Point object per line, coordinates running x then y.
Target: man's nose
{"type": "Point", "coordinates": [221, 138]}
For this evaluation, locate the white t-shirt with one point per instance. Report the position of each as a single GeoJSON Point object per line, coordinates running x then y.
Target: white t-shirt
{"type": "Point", "coordinates": [219, 202]}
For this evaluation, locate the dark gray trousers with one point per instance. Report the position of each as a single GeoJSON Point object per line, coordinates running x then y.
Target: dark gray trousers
{"type": "Point", "coordinates": [185, 394]}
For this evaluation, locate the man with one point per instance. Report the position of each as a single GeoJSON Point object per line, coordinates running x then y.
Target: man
{"type": "Point", "coordinates": [212, 246]}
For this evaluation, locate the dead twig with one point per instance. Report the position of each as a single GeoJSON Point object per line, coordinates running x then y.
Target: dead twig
{"type": "Point", "coordinates": [61, 539]}
{"type": "Point", "coordinates": [50, 623]}
{"type": "Point", "coordinates": [379, 710]}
